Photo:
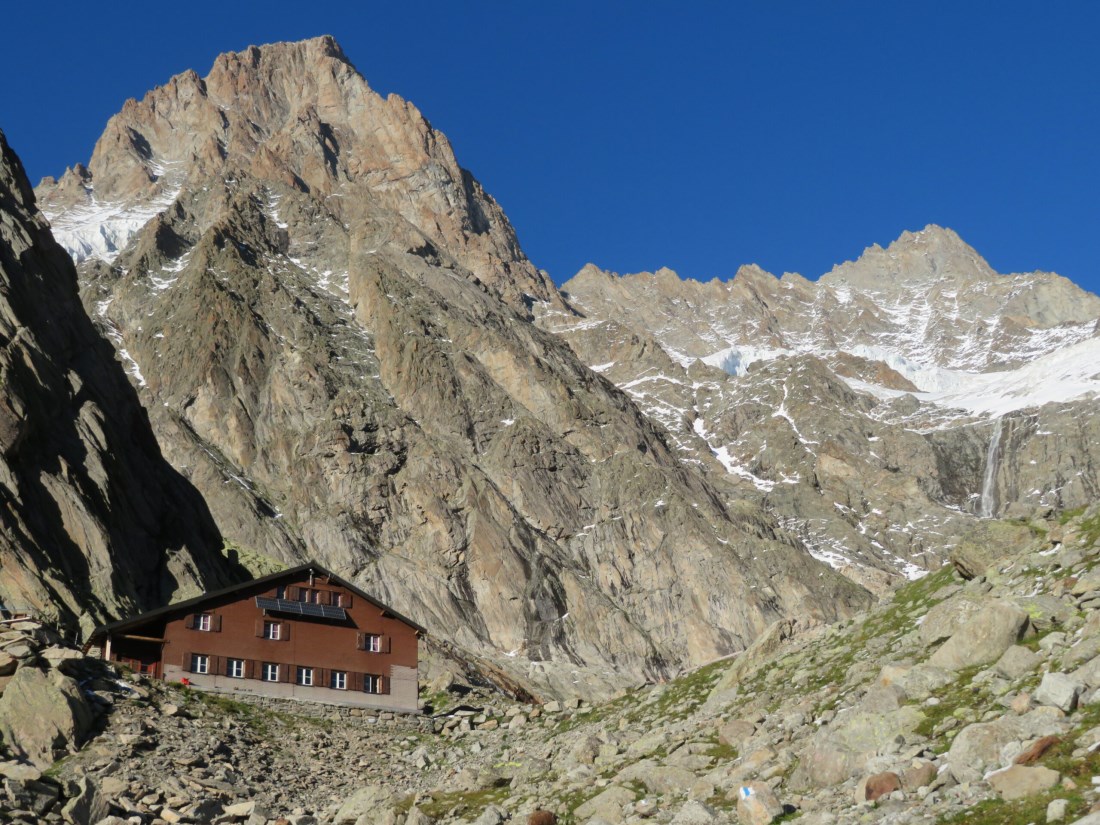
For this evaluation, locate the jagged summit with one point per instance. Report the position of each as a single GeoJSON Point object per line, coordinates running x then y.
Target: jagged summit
{"type": "Point", "coordinates": [297, 116]}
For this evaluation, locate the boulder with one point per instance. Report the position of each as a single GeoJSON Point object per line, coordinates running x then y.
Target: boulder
{"type": "Point", "coordinates": [989, 541]}
{"type": "Point", "coordinates": [1020, 781]}
{"type": "Point", "coordinates": [607, 805]}
{"type": "Point", "coordinates": [1059, 690]}
{"type": "Point", "coordinates": [85, 807]}
{"type": "Point", "coordinates": [660, 779]}
{"type": "Point", "coordinates": [1045, 611]}
{"type": "Point", "coordinates": [736, 732]}
{"type": "Point", "coordinates": [1088, 673]}
{"type": "Point", "coordinates": [371, 801]}
{"type": "Point", "coordinates": [755, 655]}
{"type": "Point", "coordinates": [984, 745]}
{"type": "Point", "coordinates": [944, 619]}
{"type": "Point", "coordinates": [918, 775]}
{"type": "Point", "coordinates": [919, 682]}
{"type": "Point", "coordinates": [1017, 662]}
{"type": "Point", "coordinates": [883, 698]}
{"type": "Point", "coordinates": [694, 812]}
{"type": "Point", "coordinates": [42, 715]}
{"type": "Point", "coordinates": [983, 638]}
{"type": "Point", "coordinates": [843, 748]}
{"type": "Point", "coordinates": [757, 804]}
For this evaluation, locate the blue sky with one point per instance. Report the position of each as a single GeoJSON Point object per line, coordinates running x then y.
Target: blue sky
{"type": "Point", "coordinates": [698, 136]}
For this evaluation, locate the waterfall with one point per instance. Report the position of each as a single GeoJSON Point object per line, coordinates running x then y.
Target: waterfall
{"type": "Point", "coordinates": [989, 480]}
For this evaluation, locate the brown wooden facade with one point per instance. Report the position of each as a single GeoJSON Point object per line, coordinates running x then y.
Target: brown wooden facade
{"type": "Point", "coordinates": [302, 634]}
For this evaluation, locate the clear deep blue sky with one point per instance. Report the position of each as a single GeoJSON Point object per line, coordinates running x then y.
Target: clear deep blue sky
{"type": "Point", "coordinates": [698, 136]}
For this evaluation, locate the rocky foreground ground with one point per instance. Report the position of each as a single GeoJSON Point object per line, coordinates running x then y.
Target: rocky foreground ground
{"type": "Point", "coordinates": [973, 695]}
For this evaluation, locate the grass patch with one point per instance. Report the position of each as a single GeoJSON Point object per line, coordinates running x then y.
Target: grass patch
{"type": "Point", "coordinates": [682, 695]}
{"type": "Point", "coordinates": [961, 693]}
{"type": "Point", "coordinates": [1066, 516]}
{"type": "Point", "coordinates": [468, 804]}
{"type": "Point", "coordinates": [259, 719]}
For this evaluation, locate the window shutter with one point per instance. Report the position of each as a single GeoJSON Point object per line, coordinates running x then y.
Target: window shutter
{"type": "Point", "coordinates": [383, 684]}
{"type": "Point", "coordinates": [355, 681]}
{"type": "Point", "coordinates": [384, 644]}
{"type": "Point", "coordinates": [284, 631]}
{"type": "Point", "coordinates": [216, 623]}
{"type": "Point", "coordinates": [249, 669]}
{"type": "Point", "coordinates": [260, 627]}
{"type": "Point", "coordinates": [293, 593]}
{"type": "Point", "coordinates": [345, 600]}
{"type": "Point", "coordinates": [284, 672]}
{"type": "Point", "coordinates": [217, 665]}
{"type": "Point", "coordinates": [187, 662]}
{"type": "Point", "coordinates": [360, 641]}
{"type": "Point", "coordinates": [320, 677]}
{"type": "Point", "coordinates": [192, 621]}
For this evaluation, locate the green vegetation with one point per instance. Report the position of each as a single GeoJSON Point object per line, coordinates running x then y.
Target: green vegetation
{"type": "Point", "coordinates": [259, 719]}
{"type": "Point", "coordinates": [960, 695]}
{"type": "Point", "coordinates": [468, 804]}
{"type": "Point", "coordinates": [682, 695]}
{"type": "Point", "coordinates": [255, 563]}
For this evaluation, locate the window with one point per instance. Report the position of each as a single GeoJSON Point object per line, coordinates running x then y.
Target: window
{"type": "Point", "coordinates": [280, 591]}
{"type": "Point", "coordinates": [200, 663]}
{"type": "Point", "coordinates": [203, 622]}
{"type": "Point", "coordinates": [338, 680]}
{"type": "Point", "coordinates": [270, 672]}
{"type": "Point", "coordinates": [336, 599]}
{"type": "Point", "coordinates": [272, 630]}
{"type": "Point", "coordinates": [372, 643]}
{"type": "Point", "coordinates": [235, 668]}
{"type": "Point", "coordinates": [305, 676]}
{"type": "Point", "coordinates": [372, 683]}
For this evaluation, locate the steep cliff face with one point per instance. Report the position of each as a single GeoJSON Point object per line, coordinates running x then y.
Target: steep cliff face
{"type": "Point", "coordinates": [94, 521]}
{"type": "Point", "coordinates": [875, 411]}
{"type": "Point", "coordinates": [328, 322]}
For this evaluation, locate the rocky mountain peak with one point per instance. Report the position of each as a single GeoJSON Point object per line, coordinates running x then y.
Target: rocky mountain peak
{"type": "Point", "coordinates": [296, 116]}
{"type": "Point", "coordinates": [932, 254]}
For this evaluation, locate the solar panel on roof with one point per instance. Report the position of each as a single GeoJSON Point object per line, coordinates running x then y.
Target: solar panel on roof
{"type": "Point", "coordinates": [320, 611]}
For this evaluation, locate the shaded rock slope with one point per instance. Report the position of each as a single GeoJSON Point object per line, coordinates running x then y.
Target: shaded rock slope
{"type": "Point", "coordinates": [875, 411]}
{"type": "Point", "coordinates": [328, 321]}
{"type": "Point", "coordinates": [94, 521]}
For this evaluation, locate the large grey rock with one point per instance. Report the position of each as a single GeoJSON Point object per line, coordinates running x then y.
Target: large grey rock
{"type": "Point", "coordinates": [944, 619]}
{"type": "Point", "coordinates": [372, 801]}
{"type": "Point", "coordinates": [982, 638]}
{"type": "Point", "coordinates": [1017, 662]}
{"type": "Point", "coordinates": [842, 749]}
{"type": "Point", "coordinates": [87, 806]}
{"type": "Point", "coordinates": [607, 804]}
{"type": "Point", "coordinates": [1018, 781]}
{"type": "Point", "coordinates": [757, 804]}
{"type": "Point", "coordinates": [987, 543]}
{"type": "Point", "coordinates": [985, 746]}
{"type": "Point", "coordinates": [43, 715]}
{"type": "Point", "coordinates": [658, 778]}
{"type": "Point", "coordinates": [1059, 690]}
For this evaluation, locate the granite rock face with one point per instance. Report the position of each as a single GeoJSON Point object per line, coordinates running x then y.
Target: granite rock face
{"type": "Point", "coordinates": [95, 521]}
{"type": "Point", "coordinates": [875, 411]}
{"type": "Point", "coordinates": [328, 322]}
